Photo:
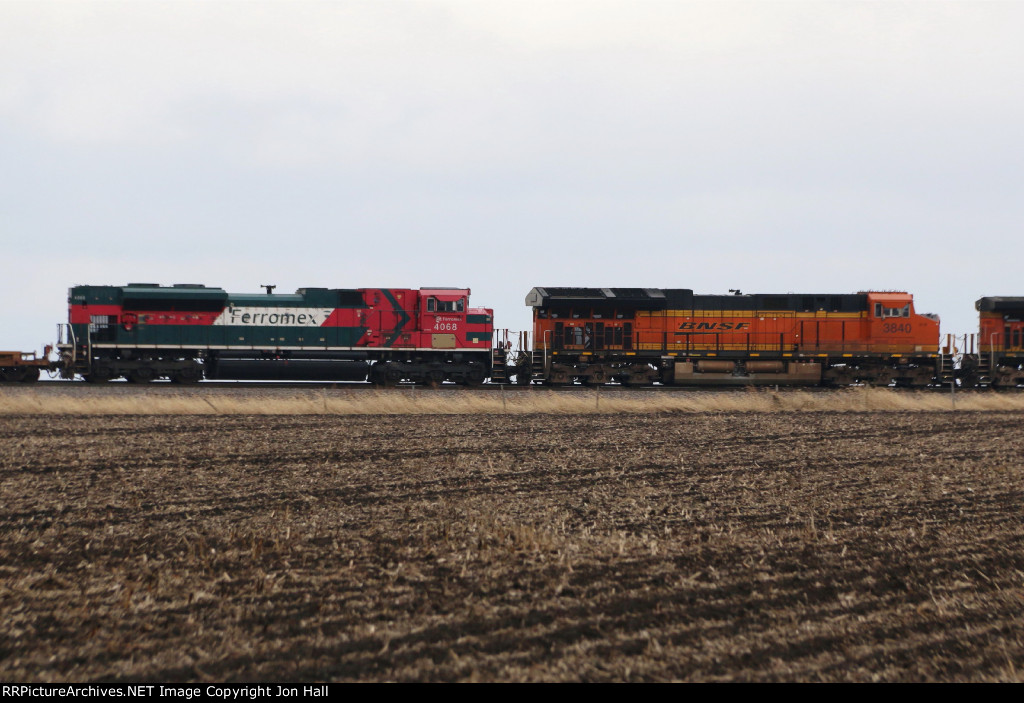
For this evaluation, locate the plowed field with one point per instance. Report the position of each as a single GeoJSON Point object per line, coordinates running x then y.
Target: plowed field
{"type": "Point", "coordinates": [606, 547]}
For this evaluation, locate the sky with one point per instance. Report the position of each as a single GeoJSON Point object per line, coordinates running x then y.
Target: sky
{"type": "Point", "coordinates": [808, 147]}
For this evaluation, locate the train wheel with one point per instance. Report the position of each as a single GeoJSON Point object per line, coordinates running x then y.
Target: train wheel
{"type": "Point", "coordinates": [919, 378]}
{"type": "Point", "coordinates": [385, 374]}
{"type": "Point", "coordinates": [379, 375]}
{"type": "Point", "coordinates": [141, 375]}
{"type": "Point", "coordinates": [638, 376]}
{"type": "Point", "coordinates": [375, 376]}
{"type": "Point", "coordinates": [434, 379]}
{"type": "Point", "coordinates": [187, 375]}
{"type": "Point", "coordinates": [99, 374]}
{"type": "Point", "coordinates": [19, 375]}
{"type": "Point", "coordinates": [475, 377]}
{"type": "Point", "coordinates": [558, 377]}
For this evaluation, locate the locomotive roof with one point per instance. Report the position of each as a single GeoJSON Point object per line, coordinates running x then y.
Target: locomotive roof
{"type": "Point", "coordinates": [181, 292]}
{"type": "Point", "coordinates": [684, 298]}
{"type": "Point", "coordinates": [147, 291]}
{"type": "Point", "coordinates": [539, 297]}
{"type": "Point", "coordinates": [999, 304]}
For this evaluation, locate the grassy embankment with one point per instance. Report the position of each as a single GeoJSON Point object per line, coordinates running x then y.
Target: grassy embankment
{"type": "Point", "coordinates": [203, 401]}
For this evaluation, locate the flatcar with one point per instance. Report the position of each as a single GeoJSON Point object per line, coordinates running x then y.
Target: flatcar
{"type": "Point", "coordinates": [640, 336]}
{"type": "Point", "coordinates": [24, 367]}
{"type": "Point", "coordinates": [143, 332]}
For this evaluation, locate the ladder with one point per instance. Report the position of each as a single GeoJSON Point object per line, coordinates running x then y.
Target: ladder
{"type": "Point", "coordinates": [947, 372]}
{"type": "Point", "coordinates": [499, 372]}
{"type": "Point", "coordinates": [983, 370]}
{"type": "Point", "coordinates": [539, 370]}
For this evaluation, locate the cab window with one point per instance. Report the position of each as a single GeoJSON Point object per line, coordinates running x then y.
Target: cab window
{"type": "Point", "coordinates": [883, 311]}
{"type": "Point", "coordinates": [435, 305]}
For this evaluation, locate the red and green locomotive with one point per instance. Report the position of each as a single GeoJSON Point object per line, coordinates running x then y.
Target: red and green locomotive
{"type": "Point", "coordinates": [185, 333]}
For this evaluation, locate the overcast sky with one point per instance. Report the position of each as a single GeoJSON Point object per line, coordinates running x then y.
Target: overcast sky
{"type": "Point", "coordinates": [819, 147]}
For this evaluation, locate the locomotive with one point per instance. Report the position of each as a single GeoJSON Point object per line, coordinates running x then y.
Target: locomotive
{"type": "Point", "coordinates": [186, 332]}
{"type": "Point", "coordinates": [631, 336]}
{"type": "Point", "coordinates": [639, 336]}
{"type": "Point", "coordinates": [1000, 349]}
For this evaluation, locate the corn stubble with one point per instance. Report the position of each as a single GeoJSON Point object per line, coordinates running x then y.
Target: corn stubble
{"type": "Point", "coordinates": [513, 546]}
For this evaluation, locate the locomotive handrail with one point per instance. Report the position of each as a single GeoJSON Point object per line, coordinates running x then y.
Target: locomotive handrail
{"type": "Point", "coordinates": [68, 338]}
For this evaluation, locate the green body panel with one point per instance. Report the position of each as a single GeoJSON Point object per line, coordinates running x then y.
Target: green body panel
{"type": "Point", "coordinates": [166, 297]}
{"type": "Point", "coordinates": [202, 336]}
{"type": "Point", "coordinates": [200, 300]}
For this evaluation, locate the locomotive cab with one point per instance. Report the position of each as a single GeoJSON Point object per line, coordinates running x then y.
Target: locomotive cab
{"type": "Point", "coordinates": [1001, 325]}
{"type": "Point", "coordinates": [896, 328]}
{"type": "Point", "coordinates": [443, 316]}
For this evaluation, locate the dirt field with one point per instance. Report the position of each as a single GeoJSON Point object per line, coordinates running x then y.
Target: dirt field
{"type": "Point", "coordinates": [827, 546]}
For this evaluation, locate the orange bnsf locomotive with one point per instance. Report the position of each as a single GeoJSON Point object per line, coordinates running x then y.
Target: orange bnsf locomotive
{"type": "Point", "coordinates": [639, 336]}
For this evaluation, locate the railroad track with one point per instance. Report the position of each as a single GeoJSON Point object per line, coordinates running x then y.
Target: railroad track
{"type": "Point", "coordinates": [161, 386]}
